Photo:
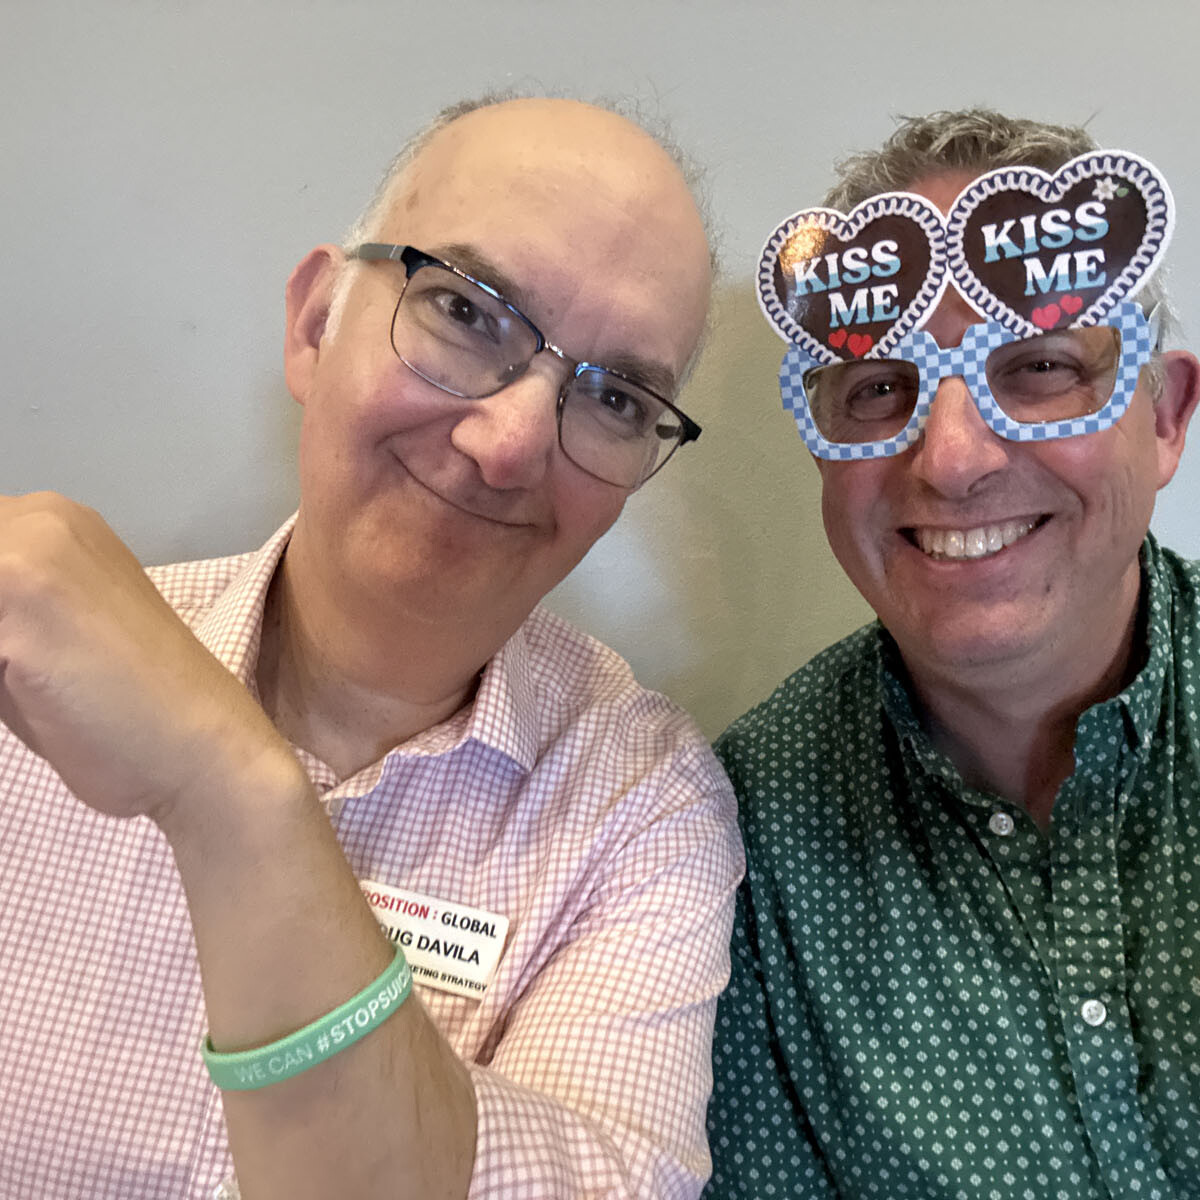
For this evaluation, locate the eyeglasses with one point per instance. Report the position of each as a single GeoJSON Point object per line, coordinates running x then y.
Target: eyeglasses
{"type": "Point", "coordinates": [463, 337]}
{"type": "Point", "coordinates": [1056, 385]}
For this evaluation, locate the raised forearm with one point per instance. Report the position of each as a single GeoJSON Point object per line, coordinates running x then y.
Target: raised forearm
{"type": "Point", "coordinates": [100, 677]}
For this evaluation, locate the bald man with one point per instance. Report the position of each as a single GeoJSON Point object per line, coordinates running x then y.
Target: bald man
{"type": "Point", "coordinates": [441, 892]}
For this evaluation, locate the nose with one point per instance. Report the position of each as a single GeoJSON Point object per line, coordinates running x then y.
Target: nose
{"type": "Point", "coordinates": [957, 448]}
{"type": "Point", "coordinates": [512, 435]}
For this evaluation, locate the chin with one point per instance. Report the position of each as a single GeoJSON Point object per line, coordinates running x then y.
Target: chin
{"type": "Point", "coordinates": [974, 649]}
{"type": "Point", "coordinates": [973, 637]}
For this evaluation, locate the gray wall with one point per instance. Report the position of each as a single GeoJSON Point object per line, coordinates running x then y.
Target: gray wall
{"type": "Point", "coordinates": [165, 164]}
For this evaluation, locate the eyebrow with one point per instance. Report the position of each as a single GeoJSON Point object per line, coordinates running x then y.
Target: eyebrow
{"type": "Point", "coordinates": [652, 375]}
{"type": "Point", "coordinates": [467, 258]}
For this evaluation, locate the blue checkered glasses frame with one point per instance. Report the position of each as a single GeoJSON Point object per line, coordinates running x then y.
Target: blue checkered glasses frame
{"type": "Point", "coordinates": [463, 337]}
{"type": "Point", "coordinates": [1058, 384]}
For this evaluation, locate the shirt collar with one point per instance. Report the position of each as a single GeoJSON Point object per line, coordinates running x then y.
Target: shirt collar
{"type": "Point", "coordinates": [501, 716]}
{"type": "Point", "coordinates": [900, 707]}
{"type": "Point", "coordinates": [894, 685]}
{"type": "Point", "coordinates": [504, 715]}
{"type": "Point", "coordinates": [231, 630]}
{"type": "Point", "coordinates": [1142, 699]}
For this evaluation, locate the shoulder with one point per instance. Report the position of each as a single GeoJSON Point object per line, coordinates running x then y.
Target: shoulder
{"type": "Point", "coordinates": [842, 680]}
{"type": "Point", "coordinates": [819, 731]}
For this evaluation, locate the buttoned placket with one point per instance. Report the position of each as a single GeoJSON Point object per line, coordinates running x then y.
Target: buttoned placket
{"type": "Point", "coordinates": [1089, 950]}
{"type": "Point", "coordinates": [1077, 931]}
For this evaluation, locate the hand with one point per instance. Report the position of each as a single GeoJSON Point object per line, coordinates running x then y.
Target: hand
{"type": "Point", "coordinates": [100, 677]}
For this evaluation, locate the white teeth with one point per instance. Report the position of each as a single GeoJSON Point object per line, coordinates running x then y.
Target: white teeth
{"type": "Point", "coordinates": [1013, 531]}
{"type": "Point", "coordinates": [971, 543]}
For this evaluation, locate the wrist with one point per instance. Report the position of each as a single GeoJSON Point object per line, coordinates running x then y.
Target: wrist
{"type": "Point", "coordinates": [243, 799]}
{"type": "Point", "coordinates": [275, 1062]}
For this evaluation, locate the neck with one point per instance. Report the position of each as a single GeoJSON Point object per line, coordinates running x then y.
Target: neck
{"type": "Point", "coordinates": [1009, 728]}
{"type": "Point", "coordinates": [348, 681]}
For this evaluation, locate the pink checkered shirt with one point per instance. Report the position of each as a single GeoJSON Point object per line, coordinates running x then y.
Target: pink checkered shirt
{"type": "Point", "coordinates": [586, 809]}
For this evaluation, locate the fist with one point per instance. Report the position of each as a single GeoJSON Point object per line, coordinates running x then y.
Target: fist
{"type": "Point", "coordinates": [101, 678]}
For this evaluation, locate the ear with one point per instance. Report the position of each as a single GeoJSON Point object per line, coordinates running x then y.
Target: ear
{"type": "Point", "coordinates": [1173, 409]}
{"type": "Point", "coordinates": [309, 293]}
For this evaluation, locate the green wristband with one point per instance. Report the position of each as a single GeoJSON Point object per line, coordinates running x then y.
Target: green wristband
{"type": "Point", "coordinates": [246, 1070]}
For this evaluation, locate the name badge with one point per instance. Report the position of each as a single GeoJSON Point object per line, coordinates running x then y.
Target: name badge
{"type": "Point", "coordinates": [450, 947]}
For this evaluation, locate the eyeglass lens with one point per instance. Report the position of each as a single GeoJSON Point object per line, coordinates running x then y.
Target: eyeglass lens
{"type": "Point", "coordinates": [614, 429]}
{"type": "Point", "coordinates": [1053, 377]}
{"type": "Point", "coordinates": [459, 337]}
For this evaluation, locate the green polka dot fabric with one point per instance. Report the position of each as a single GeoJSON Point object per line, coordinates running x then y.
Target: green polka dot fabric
{"type": "Point", "coordinates": [930, 997]}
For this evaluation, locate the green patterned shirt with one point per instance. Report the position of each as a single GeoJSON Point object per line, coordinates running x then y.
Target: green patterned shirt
{"type": "Point", "coordinates": [931, 998]}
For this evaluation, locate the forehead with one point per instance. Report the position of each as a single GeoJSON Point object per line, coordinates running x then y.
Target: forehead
{"type": "Point", "coordinates": [942, 187]}
{"type": "Point", "coordinates": [953, 315]}
{"type": "Point", "coordinates": [584, 215]}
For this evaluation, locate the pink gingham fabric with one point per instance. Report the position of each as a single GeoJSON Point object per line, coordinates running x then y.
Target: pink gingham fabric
{"type": "Point", "coordinates": [586, 809]}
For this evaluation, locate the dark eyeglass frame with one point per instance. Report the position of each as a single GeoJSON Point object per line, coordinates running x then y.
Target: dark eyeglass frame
{"type": "Point", "coordinates": [413, 260]}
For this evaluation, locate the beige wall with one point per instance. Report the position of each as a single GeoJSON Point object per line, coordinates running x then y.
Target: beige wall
{"type": "Point", "coordinates": [738, 584]}
{"type": "Point", "coordinates": [164, 165]}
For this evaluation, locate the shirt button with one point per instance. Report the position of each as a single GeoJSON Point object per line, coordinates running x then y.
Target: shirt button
{"type": "Point", "coordinates": [226, 1191]}
{"type": "Point", "coordinates": [1093, 1012]}
{"type": "Point", "coordinates": [1001, 824]}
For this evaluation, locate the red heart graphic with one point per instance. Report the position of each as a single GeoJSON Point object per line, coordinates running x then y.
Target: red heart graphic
{"type": "Point", "coordinates": [859, 343]}
{"type": "Point", "coordinates": [837, 339]}
{"type": "Point", "coordinates": [1047, 317]}
{"type": "Point", "coordinates": [1071, 304]}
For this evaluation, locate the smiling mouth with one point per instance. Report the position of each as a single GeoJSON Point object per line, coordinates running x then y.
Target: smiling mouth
{"type": "Point", "coordinates": [982, 541]}
{"type": "Point", "coordinates": [478, 509]}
